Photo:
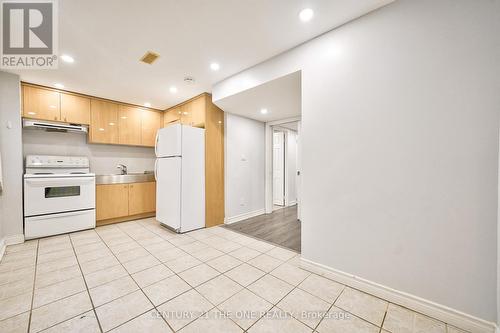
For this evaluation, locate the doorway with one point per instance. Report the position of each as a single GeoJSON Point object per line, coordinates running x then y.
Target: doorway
{"type": "Point", "coordinates": [279, 161]}
{"type": "Point", "coordinates": [285, 165]}
{"type": "Point", "coordinates": [281, 225]}
{"type": "Point", "coordinates": [262, 161]}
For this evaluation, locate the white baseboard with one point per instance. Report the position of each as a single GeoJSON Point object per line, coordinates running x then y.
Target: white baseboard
{"type": "Point", "coordinates": [14, 239]}
{"type": "Point", "coordinates": [2, 248]}
{"type": "Point", "coordinates": [10, 240]}
{"type": "Point", "coordinates": [244, 216]}
{"type": "Point", "coordinates": [448, 315]}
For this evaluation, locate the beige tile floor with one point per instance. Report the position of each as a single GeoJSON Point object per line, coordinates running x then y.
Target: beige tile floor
{"type": "Point", "coordinates": [138, 276]}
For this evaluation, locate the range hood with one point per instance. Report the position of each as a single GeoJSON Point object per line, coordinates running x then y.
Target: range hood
{"type": "Point", "coordinates": [54, 127]}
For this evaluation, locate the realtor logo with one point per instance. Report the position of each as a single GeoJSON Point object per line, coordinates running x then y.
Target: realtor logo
{"type": "Point", "coordinates": [29, 34]}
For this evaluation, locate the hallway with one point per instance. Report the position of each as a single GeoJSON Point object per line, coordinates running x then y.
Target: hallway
{"type": "Point", "coordinates": [281, 227]}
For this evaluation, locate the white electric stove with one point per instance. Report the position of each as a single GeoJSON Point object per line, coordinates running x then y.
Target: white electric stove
{"type": "Point", "coordinates": [59, 195]}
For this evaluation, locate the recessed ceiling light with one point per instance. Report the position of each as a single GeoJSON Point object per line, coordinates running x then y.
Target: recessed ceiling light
{"type": "Point", "coordinates": [306, 14]}
{"type": "Point", "coordinates": [263, 111]}
{"type": "Point", "coordinates": [59, 85]}
{"type": "Point", "coordinates": [67, 58]}
{"type": "Point", "coordinates": [147, 104]}
{"type": "Point", "coordinates": [214, 66]}
{"type": "Point", "coordinates": [173, 89]}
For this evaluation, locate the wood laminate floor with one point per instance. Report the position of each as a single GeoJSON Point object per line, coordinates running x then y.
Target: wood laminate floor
{"type": "Point", "coordinates": [281, 227]}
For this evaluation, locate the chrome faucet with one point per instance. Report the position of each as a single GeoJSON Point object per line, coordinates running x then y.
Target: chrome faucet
{"type": "Point", "coordinates": [123, 168]}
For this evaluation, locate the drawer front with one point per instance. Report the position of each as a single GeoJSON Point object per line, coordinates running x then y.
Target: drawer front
{"type": "Point", "coordinates": [54, 224]}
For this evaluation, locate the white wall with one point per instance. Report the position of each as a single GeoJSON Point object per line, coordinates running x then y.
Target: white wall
{"type": "Point", "coordinates": [103, 158]}
{"type": "Point", "coordinates": [11, 209]}
{"type": "Point", "coordinates": [405, 103]}
{"type": "Point", "coordinates": [244, 166]}
{"type": "Point", "coordinates": [291, 168]}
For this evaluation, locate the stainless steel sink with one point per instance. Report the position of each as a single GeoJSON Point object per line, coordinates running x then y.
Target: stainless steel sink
{"type": "Point", "coordinates": [124, 179]}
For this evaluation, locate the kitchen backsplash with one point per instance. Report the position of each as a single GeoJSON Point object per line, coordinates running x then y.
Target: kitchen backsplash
{"type": "Point", "coordinates": [103, 158]}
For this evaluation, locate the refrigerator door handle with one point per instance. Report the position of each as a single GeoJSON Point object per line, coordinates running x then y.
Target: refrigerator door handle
{"type": "Point", "coordinates": [156, 143]}
{"type": "Point", "coordinates": [155, 173]}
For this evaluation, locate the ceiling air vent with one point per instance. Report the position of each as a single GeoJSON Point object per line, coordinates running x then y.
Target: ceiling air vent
{"type": "Point", "coordinates": [149, 57]}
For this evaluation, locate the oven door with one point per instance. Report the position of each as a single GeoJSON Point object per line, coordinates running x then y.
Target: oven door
{"type": "Point", "coordinates": [48, 195]}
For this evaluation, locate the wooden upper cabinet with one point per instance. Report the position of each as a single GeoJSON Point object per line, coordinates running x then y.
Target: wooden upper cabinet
{"type": "Point", "coordinates": [151, 123]}
{"type": "Point", "coordinates": [104, 122]}
{"type": "Point", "coordinates": [186, 114]}
{"type": "Point", "coordinates": [142, 198]}
{"type": "Point", "coordinates": [198, 110]}
{"type": "Point", "coordinates": [129, 125]}
{"type": "Point", "coordinates": [191, 113]}
{"type": "Point", "coordinates": [75, 109]}
{"type": "Point", "coordinates": [172, 116]}
{"type": "Point", "coordinates": [47, 104]}
{"type": "Point", "coordinates": [41, 103]}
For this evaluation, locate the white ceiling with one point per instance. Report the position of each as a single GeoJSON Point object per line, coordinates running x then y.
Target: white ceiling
{"type": "Point", "coordinates": [107, 38]}
{"type": "Point", "coordinates": [281, 97]}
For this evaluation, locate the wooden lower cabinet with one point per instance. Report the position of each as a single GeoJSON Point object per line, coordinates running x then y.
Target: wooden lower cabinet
{"type": "Point", "coordinates": [141, 198]}
{"type": "Point", "coordinates": [111, 201]}
{"type": "Point", "coordinates": [124, 202]}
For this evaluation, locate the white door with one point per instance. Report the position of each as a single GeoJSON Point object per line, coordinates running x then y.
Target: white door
{"type": "Point", "coordinates": [168, 191]}
{"type": "Point", "coordinates": [291, 168]}
{"type": "Point", "coordinates": [299, 167]}
{"type": "Point", "coordinates": [169, 141]}
{"type": "Point", "coordinates": [279, 168]}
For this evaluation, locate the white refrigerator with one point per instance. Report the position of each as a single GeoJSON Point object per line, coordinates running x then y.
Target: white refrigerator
{"type": "Point", "coordinates": [180, 177]}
